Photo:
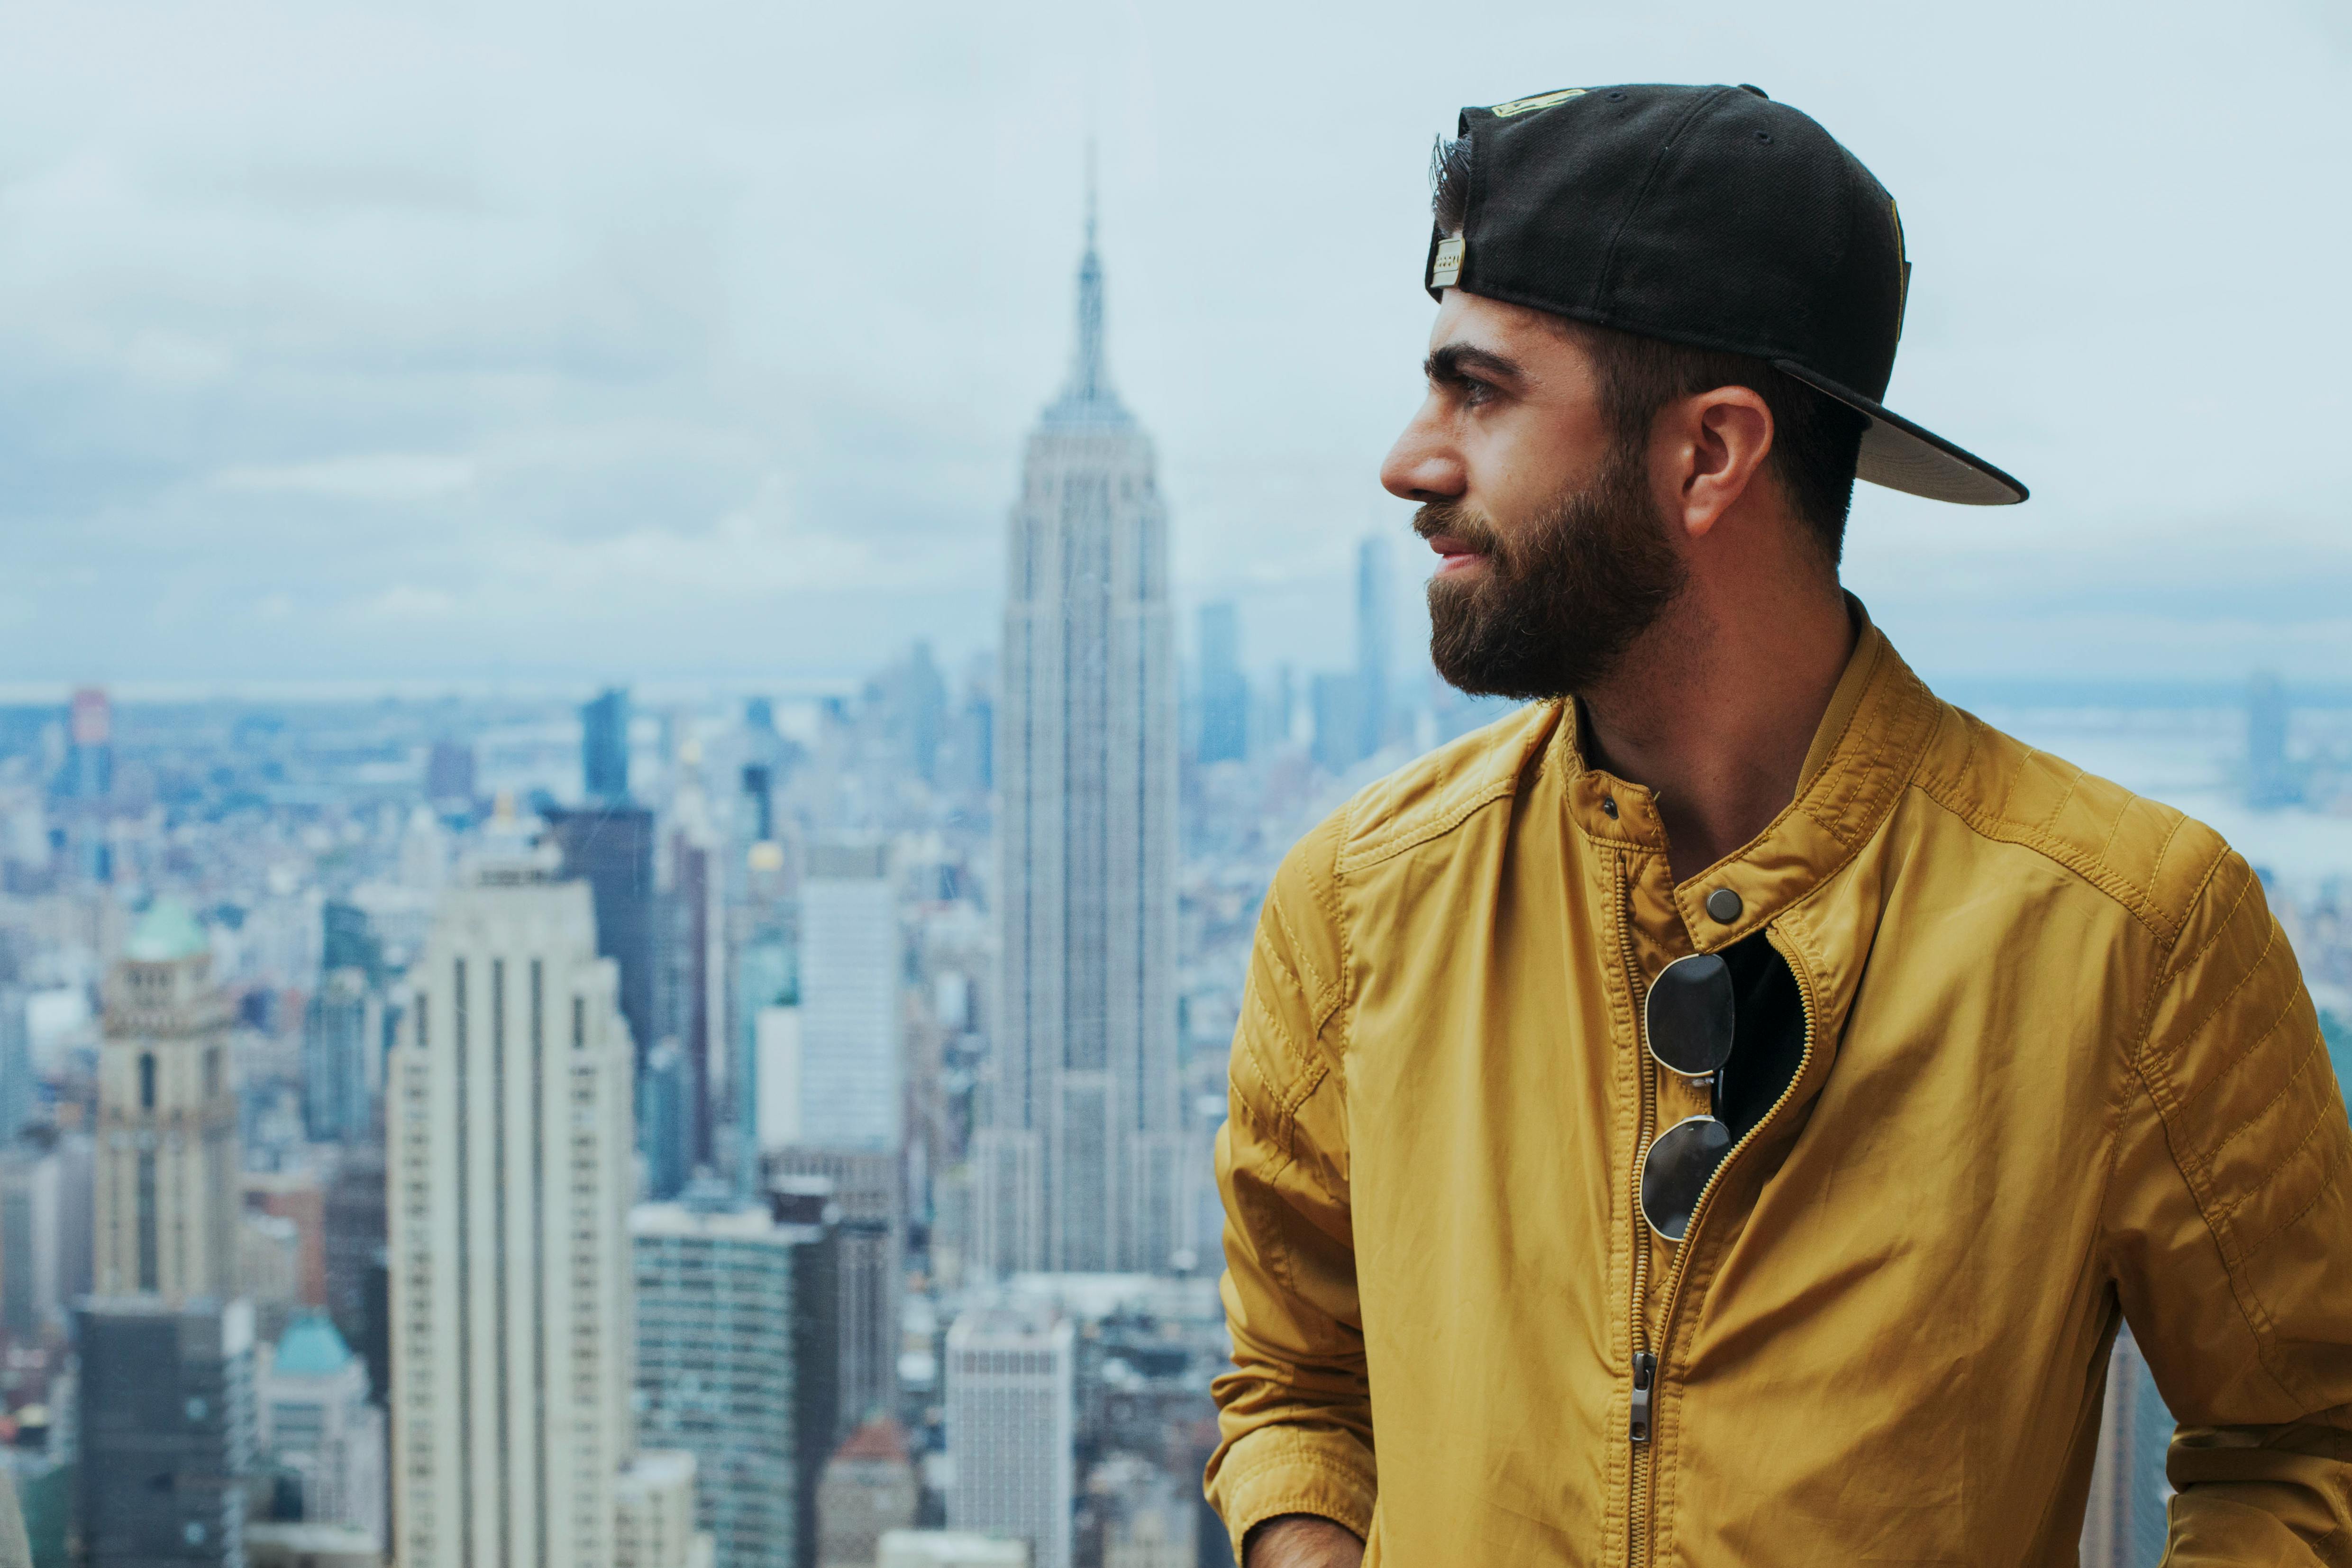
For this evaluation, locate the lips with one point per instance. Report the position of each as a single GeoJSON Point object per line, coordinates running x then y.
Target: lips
{"type": "Point", "coordinates": [1453, 553]}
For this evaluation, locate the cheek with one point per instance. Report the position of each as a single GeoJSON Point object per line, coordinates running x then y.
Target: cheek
{"type": "Point", "coordinates": [1521, 464]}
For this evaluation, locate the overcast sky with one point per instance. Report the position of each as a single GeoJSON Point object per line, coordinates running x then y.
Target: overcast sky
{"type": "Point", "coordinates": [351, 340]}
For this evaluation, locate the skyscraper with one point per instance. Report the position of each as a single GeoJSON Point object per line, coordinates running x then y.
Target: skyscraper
{"type": "Point", "coordinates": [2270, 781]}
{"type": "Point", "coordinates": [723, 1372]}
{"type": "Point", "coordinates": [32, 1297]}
{"type": "Point", "coordinates": [508, 1133]}
{"type": "Point", "coordinates": [1078, 1162]}
{"type": "Point", "coordinates": [612, 849]}
{"type": "Point", "coordinates": [851, 965]}
{"type": "Point", "coordinates": [604, 747]}
{"type": "Point", "coordinates": [166, 1431]}
{"type": "Point", "coordinates": [868, 1209]}
{"type": "Point", "coordinates": [1371, 645]}
{"type": "Point", "coordinates": [167, 1149]}
{"type": "Point", "coordinates": [1225, 693]}
{"type": "Point", "coordinates": [1013, 1427]}
{"type": "Point", "coordinates": [2124, 1517]}
{"type": "Point", "coordinates": [18, 1093]}
{"type": "Point", "coordinates": [342, 1034]}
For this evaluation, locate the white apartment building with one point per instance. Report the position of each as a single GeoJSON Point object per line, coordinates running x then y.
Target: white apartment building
{"type": "Point", "coordinates": [1013, 1428]}
{"type": "Point", "coordinates": [510, 1170]}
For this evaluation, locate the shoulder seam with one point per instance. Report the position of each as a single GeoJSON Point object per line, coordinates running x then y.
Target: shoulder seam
{"type": "Point", "coordinates": [2000, 830]}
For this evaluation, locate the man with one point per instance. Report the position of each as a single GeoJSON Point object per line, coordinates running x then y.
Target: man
{"type": "Point", "coordinates": [1811, 1248]}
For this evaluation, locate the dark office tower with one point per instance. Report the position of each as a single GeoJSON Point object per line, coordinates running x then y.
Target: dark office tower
{"type": "Point", "coordinates": [685, 968]}
{"type": "Point", "coordinates": [604, 747]}
{"type": "Point", "coordinates": [351, 943]}
{"type": "Point", "coordinates": [664, 1121]}
{"type": "Point", "coordinates": [805, 1204]}
{"type": "Point", "coordinates": [1080, 1162]}
{"type": "Point", "coordinates": [1225, 693]}
{"type": "Point", "coordinates": [449, 775]}
{"type": "Point", "coordinates": [1371, 646]}
{"type": "Point", "coordinates": [166, 1425]}
{"type": "Point", "coordinates": [355, 1223]}
{"type": "Point", "coordinates": [342, 1040]}
{"type": "Point", "coordinates": [871, 1209]}
{"type": "Point", "coordinates": [611, 849]}
{"type": "Point", "coordinates": [2269, 780]}
{"type": "Point", "coordinates": [758, 801]}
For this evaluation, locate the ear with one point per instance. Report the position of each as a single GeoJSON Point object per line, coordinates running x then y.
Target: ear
{"type": "Point", "coordinates": [1709, 449]}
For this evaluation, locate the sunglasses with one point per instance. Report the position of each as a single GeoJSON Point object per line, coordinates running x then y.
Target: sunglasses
{"type": "Point", "coordinates": [1690, 1022]}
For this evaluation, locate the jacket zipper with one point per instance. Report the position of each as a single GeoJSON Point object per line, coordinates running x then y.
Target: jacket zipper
{"type": "Point", "coordinates": [1645, 1363]}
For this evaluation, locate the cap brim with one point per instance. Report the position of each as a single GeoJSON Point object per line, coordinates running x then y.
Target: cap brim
{"type": "Point", "coordinates": [1903, 457]}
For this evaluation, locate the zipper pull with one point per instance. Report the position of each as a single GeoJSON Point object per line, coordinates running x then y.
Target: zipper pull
{"type": "Point", "coordinates": [1645, 1373]}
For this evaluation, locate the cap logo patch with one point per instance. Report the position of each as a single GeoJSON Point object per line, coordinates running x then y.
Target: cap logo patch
{"type": "Point", "coordinates": [1447, 268]}
{"type": "Point", "coordinates": [1541, 101]}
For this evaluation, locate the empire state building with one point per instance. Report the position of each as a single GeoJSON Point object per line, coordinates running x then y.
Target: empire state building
{"type": "Point", "coordinates": [1079, 1156]}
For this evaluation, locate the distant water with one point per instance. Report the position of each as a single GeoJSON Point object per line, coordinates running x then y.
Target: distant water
{"type": "Point", "coordinates": [2191, 759]}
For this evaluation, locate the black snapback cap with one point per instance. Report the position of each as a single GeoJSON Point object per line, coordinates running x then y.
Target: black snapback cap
{"type": "Point", "coordinates": [1713, 216]}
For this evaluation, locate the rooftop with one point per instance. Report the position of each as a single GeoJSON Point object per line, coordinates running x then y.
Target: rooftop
{"type": "Point", "coordinates": [168, 930]}
{"type": "Point", "coordinates": [311, 1347]}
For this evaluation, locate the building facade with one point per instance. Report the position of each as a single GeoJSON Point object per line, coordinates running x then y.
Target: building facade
{"type": "Point", "coordinates": [165, 1440]}
{"type": "Point", "coordinates": [317, 1424]}
{"type": "Point", "coordinates": [852, 1085]}
{"type": "Point", "coordinates": [1078, 1162]}
{"type": "Point", "coordinates": [868, 1490]}
{"type": "Point", "coordinates": [1013, 1428]}
{"type": "Point", "coordinates": [867, 1207]}
{"type": "Point", "coordinates": [168, 1201]}
{"type": "Point", "coordinates": [724, 1369]}
{"type": "Point", "coordinates": [342, 1046]}
{"type": "Point", "coordinates": [510, 1171]}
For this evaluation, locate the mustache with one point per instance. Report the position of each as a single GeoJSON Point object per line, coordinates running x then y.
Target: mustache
{"type": "Point", "coordinates": [1454, 521]}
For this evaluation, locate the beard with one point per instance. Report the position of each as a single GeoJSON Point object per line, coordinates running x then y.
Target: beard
{"type": "Point", "coordinates": [1561, 601]}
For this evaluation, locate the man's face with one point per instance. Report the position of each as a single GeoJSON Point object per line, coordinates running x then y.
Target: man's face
{"type": "Point", "coordinates": [1554, 554]}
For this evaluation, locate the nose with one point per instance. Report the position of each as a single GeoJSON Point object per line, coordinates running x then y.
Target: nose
{"type": "Point", "coordinates": [1423, 465]}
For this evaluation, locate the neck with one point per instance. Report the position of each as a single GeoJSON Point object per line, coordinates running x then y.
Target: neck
{"type": "Point", "coordinates": [1714, 709]}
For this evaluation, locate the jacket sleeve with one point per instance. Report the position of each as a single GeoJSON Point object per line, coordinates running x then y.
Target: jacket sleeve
{"type": "Point", "coordinates": [2230, 1231]}
{"type": "Point", "coordinates": [1295, 1413]}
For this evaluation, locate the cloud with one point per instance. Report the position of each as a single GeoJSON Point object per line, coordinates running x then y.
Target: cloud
{"type": "Point", "coordinates": [370, 477]}
{"type": "Point", "coordinates": [591, 340]}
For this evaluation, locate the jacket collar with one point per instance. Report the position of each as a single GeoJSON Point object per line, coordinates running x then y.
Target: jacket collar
{"type": "Point", "coordinates": [1869, 741]}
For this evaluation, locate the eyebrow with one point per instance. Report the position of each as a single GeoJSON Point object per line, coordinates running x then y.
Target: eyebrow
{"type": "Point", "coordinates": [1447, 366]}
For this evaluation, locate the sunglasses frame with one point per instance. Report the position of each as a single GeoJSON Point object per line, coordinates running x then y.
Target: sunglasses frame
{"type": "Point", "coordinates": [1713, 1081]}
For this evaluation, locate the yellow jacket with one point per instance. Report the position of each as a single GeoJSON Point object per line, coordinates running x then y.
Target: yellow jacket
{"type": "Point", "coordinates": [2061, 1068]}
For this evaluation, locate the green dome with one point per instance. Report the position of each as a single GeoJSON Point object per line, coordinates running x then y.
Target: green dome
{"type": "Point", "coordinates": [311, 1347]}
{"type": "Point", "coordinates": [167, 931]}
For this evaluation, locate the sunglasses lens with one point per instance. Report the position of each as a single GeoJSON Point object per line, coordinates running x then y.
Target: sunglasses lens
{"type": "Point", "coordinates": [1676, 1169]}
{"type": "Point", "coordinates": [1689, 1014]}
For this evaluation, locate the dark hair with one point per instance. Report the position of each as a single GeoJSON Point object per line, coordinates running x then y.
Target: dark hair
{"type": "Point", "coordinates": [1816, 440]}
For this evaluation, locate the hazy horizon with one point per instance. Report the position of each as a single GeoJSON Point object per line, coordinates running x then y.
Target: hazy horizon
{"type": "Point", "coordinates": [445, 344]}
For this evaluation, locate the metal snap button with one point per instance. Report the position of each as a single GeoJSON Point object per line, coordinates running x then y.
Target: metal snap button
{"type": "Point", "coordinates": [1723, 905]}
{"type": "Point", "coordinates": [1609, 806]}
